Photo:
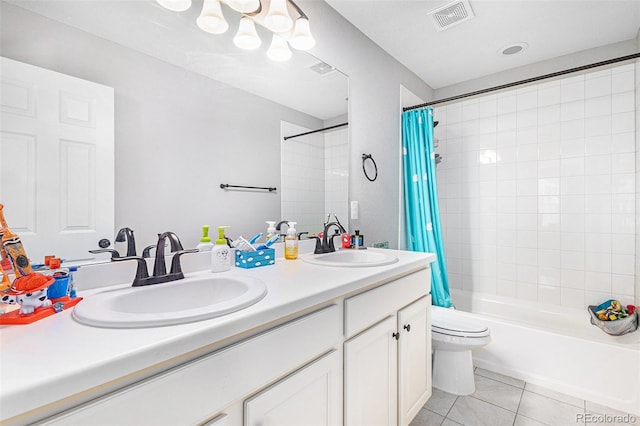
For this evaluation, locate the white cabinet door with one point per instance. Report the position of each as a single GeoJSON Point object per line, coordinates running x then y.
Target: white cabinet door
{"type": "Point", "coordinates": [310, 397]}
{"type": "Point", "coordinates": [414, 359]}
{"type": "Point", "coordinates": [56, 160]}
{"type": "Point", "coordinates": [370, 373]}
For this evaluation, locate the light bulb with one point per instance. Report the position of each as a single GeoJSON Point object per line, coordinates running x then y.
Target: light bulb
{"type": "Point", "coordinates": [279, 50]}
{"type": "Point", "coordinates": [278, 19]}
{"type": "Point", "coordinates": [175, 5]}
{"type": "Point", "coordinates": [302, 38]}
{"type": "Point", "coordinates": [247, 37]}
{"type": "Point", "coordinates": [211, 18]}
{"type": "Point", "coordinates": [243, 6]}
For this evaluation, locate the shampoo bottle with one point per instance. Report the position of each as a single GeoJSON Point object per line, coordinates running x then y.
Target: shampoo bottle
{"type": "Point", "coordinates": [291, 242]}
{"type": "Point", "coordinates": [205, 242]}
{"type": "Point", "coordinates": [221, 253]}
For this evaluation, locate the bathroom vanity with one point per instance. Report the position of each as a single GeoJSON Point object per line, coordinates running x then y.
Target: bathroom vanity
{"type": "Point", "coordinates": [327, 345]}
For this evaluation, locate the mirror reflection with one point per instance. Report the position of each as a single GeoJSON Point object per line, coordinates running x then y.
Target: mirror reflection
{"type": "Point", "coordinates": [191, 112]}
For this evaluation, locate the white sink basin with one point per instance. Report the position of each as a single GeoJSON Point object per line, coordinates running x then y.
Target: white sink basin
{"type": "Point", "coordinates": [352, 258]}
{"type": "Point", "coordinates": [176, 302]}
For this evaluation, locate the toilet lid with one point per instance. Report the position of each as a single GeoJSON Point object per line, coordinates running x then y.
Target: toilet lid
{"type": "Point", "coordinates": [444, 323]}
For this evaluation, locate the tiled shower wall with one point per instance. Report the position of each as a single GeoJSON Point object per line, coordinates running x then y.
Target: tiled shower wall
{"type": "Point", "coordinates": [336, 174]}
{"type": "Point", "coordinates": [315, 177]}
{"type": "Point", "coordinates": [537, 190]}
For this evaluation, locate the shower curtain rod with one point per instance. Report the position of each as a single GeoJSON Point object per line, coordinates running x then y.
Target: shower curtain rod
{"type": "Point", "coordinates": [526, 81]}
{"type": "Point", "coordinates": [316, 131]}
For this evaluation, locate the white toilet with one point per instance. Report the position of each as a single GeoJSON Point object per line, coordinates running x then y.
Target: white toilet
{"type": "Point", "coordinates": [454, 337]}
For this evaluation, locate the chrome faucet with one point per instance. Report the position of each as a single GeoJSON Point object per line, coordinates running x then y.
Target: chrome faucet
{"type": "Point", "coordinates": [160, 274]}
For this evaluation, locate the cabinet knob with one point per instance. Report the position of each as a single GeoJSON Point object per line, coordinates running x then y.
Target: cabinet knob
{"type": "Point", "coordinates": [396, 336]}
{"type": "Point", "coordinates": [407, 327]}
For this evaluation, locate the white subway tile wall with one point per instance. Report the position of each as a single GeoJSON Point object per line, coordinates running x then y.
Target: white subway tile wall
{"type": "Point", "coordinates": [315, 177]}
{"type": "Point", "coordinates": [538, 190]}
{"type": "Point", "coordinates": [336, 174]}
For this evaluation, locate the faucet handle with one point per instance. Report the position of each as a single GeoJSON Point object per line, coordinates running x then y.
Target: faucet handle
{"type": "Point", "coordinates": [332, 247]}
{"type": "Point", "coordinates": [146, 252]}
{"type": "Point", "coordinates": [141, 271]}
{"type": "Point", "coordinates": [176, 268]}
{"type": "Point", "coordinates": [318, 249]}
{"type": "Point", "coordinates": [115, 255]}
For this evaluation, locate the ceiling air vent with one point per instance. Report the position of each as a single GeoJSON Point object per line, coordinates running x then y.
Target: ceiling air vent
{"type": "Point", "coordinates": [322, 68]}
{"type": "Point", "coordinates": [451, 14]}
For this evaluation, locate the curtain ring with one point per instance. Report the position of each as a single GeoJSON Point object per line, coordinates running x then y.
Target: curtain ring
{"type": "Point", "coordinates": [366, 157]}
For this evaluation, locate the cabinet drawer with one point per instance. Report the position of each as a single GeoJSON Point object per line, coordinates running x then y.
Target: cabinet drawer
{"type": "Point", "coordinates": [190, 393]}
{"type": "Point", "coordinates": [365, 309]}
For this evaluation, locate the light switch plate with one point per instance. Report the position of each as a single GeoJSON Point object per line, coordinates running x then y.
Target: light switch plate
{"type": "Point", "coordinates": [354, 210]}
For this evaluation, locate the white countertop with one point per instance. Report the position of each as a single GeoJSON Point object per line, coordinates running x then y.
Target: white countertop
{"type": "Point", "coordinates": [57, 357]}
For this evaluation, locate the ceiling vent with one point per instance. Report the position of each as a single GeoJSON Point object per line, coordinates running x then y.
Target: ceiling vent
{"type": "Point", "coordinates": [322, 68]}
{"type": "Point", "coordinates": [451, 15]}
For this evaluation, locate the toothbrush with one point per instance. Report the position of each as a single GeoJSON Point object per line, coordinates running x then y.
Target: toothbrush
{"type": "Point", "coordinates": [242, 244]}
{"type": "Point", "coordinates": [255, 238]}
{"type": "Point", "coordinates": [268, 243]}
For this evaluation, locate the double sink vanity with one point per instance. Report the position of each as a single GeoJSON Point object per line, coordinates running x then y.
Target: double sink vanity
{"type": "Point", "coordinates": [339, 338]}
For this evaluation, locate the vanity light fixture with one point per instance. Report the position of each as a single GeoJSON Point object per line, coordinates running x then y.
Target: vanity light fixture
{"type": "Point", "coordinates": [244, 6]}
{"type": "Point", "coordinates": [211, 18]}
{"type": "Point", "coordinates": [247, 37]}
{"type": "Point", "coordinates": [175, 5]}
{"type": "Point", "coordinates": [278, 19]}
{"type": "Point", "coordinates": [279, 50]}
{"type": "Point", "coordinates": [271, 14]}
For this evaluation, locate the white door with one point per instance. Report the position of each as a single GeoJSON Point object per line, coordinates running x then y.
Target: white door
{"type": "Point", "coordinates": [56, 160]}
{"type": "Point", "coordinates": [310, 397]}
{"type": "Point", "coordinates": [414, 359]}
{"type": "Point", "coordinates": [370, 373]}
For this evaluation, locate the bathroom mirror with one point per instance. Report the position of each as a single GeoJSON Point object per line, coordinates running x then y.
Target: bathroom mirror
{"type": "Point", "coordinates": [153, 35]}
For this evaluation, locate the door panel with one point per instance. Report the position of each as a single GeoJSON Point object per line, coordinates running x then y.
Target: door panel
{"type": "Point", "coordinates": [57, 158]}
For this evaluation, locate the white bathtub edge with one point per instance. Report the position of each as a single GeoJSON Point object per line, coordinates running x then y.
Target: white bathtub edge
{"type": "Point", "coordinates": [547, 359]}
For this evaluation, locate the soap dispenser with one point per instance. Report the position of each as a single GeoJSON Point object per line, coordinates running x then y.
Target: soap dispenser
{"type": "Point", "coordinates": [205, 242]}
{"type": "Point", "coordinates": [271, 229]}
{"type": "Point", "coordinates": [291, 242]}
{"type": "Point", "coordinates": [221, 253]}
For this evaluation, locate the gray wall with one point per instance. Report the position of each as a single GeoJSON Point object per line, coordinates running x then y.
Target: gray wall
{"type": "Point", "coordinates": [374, 116]}
{"type": "Point", "coordinates": [178, 134]}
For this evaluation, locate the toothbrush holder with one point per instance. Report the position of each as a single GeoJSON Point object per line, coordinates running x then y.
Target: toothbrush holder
{"type": "Point", "coordinates": [255, 259]}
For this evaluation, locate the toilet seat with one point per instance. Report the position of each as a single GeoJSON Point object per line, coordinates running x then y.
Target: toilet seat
{"type": "Point", "coordinates": [448, 325]}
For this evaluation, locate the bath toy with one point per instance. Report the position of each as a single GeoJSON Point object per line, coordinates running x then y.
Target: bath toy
{"type": "Point", "coordinates": [29, 291]}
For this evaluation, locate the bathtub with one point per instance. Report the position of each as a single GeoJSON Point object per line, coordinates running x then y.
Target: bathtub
{"type": "Point", "coordinates": [556, 348]}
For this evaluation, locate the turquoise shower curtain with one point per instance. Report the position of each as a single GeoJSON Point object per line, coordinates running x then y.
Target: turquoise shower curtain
{"type": "Point", "coordinates": [422, 214]}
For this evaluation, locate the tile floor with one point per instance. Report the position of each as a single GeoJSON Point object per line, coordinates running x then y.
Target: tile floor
{"type": "Point", "coordinates": [501, 400]}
